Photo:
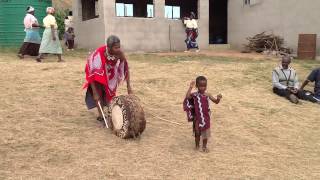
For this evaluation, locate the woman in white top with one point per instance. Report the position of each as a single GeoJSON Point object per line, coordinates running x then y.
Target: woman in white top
{"type": "Point", "coordinates": [191, 32]}
{"type": "Point", "coordinates": [32, 40]}
{"type": "Point", "coordinates": [50, 43]}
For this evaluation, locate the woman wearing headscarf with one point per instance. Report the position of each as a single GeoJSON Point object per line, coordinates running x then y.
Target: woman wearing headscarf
{"type": "Point", "coordinates": [32, 40]}
{"type": "Point", "coordinates": [106, 68]}
{"type": "Point", "coordinates": [50, 43]}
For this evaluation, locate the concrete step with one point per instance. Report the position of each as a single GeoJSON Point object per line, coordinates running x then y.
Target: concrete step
{"type": "Point", "coordinates": [219, 46]}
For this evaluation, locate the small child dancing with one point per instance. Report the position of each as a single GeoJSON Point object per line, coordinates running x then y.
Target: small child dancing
{"type": "Point", "coordinates": [196, 105]}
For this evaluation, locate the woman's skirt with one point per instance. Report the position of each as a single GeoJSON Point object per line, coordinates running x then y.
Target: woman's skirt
{"type": "Point", "coordinates": [31, 43]}
{"type": "Point", "coordinates": [192, 35]}
{"type": "Point", "coordinates": [48, 45]}
{"type": "Point", "coordinates": [90, 102]}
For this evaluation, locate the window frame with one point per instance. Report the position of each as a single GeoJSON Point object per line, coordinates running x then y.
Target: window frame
{"type": "Point", "coordinates": [172, 12]}
{"type": "Point", "coordinates": [134, 6]}
{"type": "Point", "coordinates": [95, 9]}
{"type": "Point", "coordinates": [246, 3]}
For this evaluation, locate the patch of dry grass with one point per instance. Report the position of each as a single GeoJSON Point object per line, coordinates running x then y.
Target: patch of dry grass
{"type": "Point", "coordinates": [47, 132]}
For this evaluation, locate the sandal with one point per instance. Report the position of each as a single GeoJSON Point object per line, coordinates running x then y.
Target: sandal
{"type": "Point", "coordinates": [38, 60]}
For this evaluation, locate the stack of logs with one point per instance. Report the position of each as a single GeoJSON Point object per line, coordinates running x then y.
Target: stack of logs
{"type": "Point", "coordinates": [267, 43]}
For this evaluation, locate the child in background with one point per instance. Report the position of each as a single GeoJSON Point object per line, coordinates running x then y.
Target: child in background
{"type": "Point", "coordinates": [69, 38]}
{"type": "Point", "coordinates": [198, 111]}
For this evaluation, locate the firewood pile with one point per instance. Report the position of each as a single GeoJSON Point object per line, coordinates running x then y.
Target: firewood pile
{"type": "Point", "coordinates": [267, 44]}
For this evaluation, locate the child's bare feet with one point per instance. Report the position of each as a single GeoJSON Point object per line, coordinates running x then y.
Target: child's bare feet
{"type": "Point", "coordinates": [205, 150]}
{"type": "Point", "coordinates": [197, 148]}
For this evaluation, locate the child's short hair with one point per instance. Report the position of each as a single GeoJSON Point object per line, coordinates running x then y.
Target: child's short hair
{"type": "Point", "coordinates": [200, 78]}
{"type": "Point", "coordinates": [70, 29]}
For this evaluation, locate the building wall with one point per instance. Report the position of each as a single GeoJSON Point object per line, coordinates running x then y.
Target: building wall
{"type": "Point", "coordinates": [90, 34]}
{"type": "Point", "coordinates": [287, 18]}
{"type": "Point", "coordinates": [144, 34]}
{"type": "Point", "coordinates": [141, 34]}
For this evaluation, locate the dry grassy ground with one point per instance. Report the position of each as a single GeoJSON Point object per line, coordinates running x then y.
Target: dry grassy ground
{"type": "Point", "coordinates": [46, 132]}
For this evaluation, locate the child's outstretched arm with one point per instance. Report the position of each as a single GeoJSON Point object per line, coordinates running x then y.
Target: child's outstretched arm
{"type": "Point", "coordinates": [213, 99]}
{"type": "Point", "coordinates": [192, 85]}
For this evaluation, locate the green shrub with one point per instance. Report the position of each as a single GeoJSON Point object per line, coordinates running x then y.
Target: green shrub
{"type": "Point", "coordinates": [60, 16]}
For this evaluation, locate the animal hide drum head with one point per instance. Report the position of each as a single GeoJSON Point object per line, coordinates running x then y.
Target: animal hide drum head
{"type": "Point", "coordinates": [117, 117]}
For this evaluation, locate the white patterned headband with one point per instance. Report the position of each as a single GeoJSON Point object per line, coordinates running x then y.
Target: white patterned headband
{"type": "Point", "coordinates": [30, 9]}
{"type": "Point", "coordinates": [50, 10]}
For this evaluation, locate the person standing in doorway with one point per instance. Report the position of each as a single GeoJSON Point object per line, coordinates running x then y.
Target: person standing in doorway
{"type": "Point", "coordinates": [191, 32]}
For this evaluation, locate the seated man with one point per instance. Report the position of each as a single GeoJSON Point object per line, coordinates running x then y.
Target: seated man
{"type": "Point", "coordinates": [314, 76]}
{"type": "Point", "coordinates": [285, 81]}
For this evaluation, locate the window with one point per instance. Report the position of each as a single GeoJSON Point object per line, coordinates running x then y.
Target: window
{"type": "Point", "coordinates": [133, 8]}
{"type": "Point", "coordinates": [124, 10]}
{"type": "Point", "coordinates": [176, 9]}
{"type": "Point", "coordinates": [175, 12]}
{"type": "Point", "coordinates": [251, 2]}
{"type": "Point", "coordinates": [90, 9]}
{"type": "Point", "coordinates": [150, 11]}
{"type": "Point", "coordinates": [128, 10]}
{"type": "Point", "coordinates": [119, 9]}
{"type": "Point", "coordinates": [172, 12]}
{"type": "Point", "coordinates": [168, 12]}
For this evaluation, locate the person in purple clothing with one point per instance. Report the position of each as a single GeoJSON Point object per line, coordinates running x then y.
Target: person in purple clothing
{"type": "Point", "coordinates": [196, 105]}
{"type": "Point", "coordinates": [314, 76]}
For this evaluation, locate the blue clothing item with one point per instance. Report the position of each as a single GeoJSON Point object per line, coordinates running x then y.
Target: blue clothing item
{"type": "Point", "coordinates": [317, 97]}
{"type": "Point", "coordinates": [32, 36]}
{"type": "Point", "coordinates": [314, 76]}
{"type": "Point", "coordinates": [69, 36]}
{"type": "Point", "coordinates": [191, 42]}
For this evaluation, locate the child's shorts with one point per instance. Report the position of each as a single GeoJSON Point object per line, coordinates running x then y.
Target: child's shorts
{"type": "Point", "coordinates": [206, 134]}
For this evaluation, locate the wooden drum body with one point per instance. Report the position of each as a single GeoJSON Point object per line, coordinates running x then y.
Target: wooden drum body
{"type": "Point", "coordinates": [126, 116]}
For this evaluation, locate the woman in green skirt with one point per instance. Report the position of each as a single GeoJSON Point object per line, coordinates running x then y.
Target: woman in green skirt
{"type": "Point", "coordinates": [50, 43]}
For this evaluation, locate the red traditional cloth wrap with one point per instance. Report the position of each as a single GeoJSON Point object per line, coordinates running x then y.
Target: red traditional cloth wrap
{"type": "Point", "coordinates": [197, 109]}
{"type": "Point", "coordinates": [107, 70]}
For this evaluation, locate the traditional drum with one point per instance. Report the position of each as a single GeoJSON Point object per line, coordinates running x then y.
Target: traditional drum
{"type": "Point", "coordinates": [126, 116]}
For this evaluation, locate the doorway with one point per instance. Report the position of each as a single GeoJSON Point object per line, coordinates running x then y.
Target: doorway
{"type": "Point", "coordinates": [218, 21]}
